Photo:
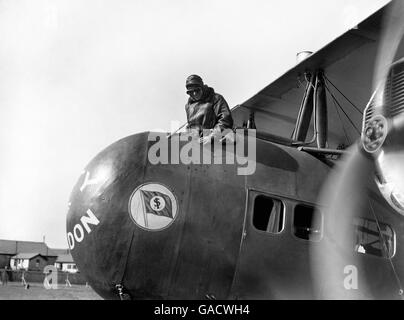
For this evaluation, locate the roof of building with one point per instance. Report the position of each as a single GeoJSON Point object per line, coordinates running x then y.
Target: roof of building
{"type": "Point", "coordinates": [26, 255]}
{"type": "Point", "coordinates": [65, 258]}
{"type": "Point", "coordinates": [58, 252]}
{"type": "Point", "coordinates": [8, 247]}
{"type": "Point", "coordinates": [13, 247]}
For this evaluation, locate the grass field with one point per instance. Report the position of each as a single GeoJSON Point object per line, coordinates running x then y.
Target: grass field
{"type": "Point", "coordinates": [15, 291]}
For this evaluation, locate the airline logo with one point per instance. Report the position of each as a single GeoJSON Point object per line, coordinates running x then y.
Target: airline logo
{"type": "Point", "coordinates": [153, 207]}
{"type": "Point", "coordinates": [157, 203]}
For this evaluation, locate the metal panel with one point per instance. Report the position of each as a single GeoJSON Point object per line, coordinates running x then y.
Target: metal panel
{"type": "Point", "coordinates": [277, 266]}
{"type": "Point", "coordinates": [105, 188]}
{"type": "Point", "coordinates": [273, 266]}
{"type": "Point", "coordinates": [212, 233]}
{"type": "Point", "coordinates": [153, 255]}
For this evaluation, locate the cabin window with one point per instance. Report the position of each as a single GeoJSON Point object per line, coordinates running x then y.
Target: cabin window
{"type": "Point", "coordinates": [368, 239]}
{"type": "Point", "coordinates": [268, 214]}
{"type": "Point", "coordinates": [307, 223]}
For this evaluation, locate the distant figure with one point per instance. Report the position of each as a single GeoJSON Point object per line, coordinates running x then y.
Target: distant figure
{"type": "Point", "coordinates": [4, 276]}
{"type": "Point", "coordinates": [206, 110]}
{"type": "Point", "coordinates": [67, 281]}
{"type": "Point", "coordinates": [24, 283]}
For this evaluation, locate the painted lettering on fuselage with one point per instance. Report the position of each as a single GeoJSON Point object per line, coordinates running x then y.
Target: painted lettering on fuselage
{"type": "Point", "coordinates": [80, 230]}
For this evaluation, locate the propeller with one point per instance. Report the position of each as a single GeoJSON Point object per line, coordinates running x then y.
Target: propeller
{"type": "Point", "coordinates": [363, 200]}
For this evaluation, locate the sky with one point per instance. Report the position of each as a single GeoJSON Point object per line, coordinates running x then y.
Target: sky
{"type": "Point", "coordinates": [75, 76]}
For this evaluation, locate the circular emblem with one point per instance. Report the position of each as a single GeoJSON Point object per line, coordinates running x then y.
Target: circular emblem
{"type": "Point", "coordinates": [152, 206]}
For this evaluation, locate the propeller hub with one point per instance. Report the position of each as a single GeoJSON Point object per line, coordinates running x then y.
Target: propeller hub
{"type": "Point", "coordinates": [374, 134]}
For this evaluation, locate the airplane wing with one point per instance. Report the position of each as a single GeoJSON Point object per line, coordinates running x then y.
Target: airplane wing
{"type": "Point", "coordinates": [348, 63]}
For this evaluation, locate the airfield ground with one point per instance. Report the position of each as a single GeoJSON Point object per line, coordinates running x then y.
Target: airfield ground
{"type": "Point", "coordinates": [15, 291]}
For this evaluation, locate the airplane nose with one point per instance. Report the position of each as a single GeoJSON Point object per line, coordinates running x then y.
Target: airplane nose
{"type": "Point", "coordinates": [99, 228]}
{"type": "Point", "coordinates": [124, 224]}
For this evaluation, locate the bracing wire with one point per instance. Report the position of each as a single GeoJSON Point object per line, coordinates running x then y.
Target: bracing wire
{"type": "Point", "coordinates": [349, 119]}
{"type": "Point", "coordinates": [342, 123]}
{"type": "Point", "coordinates": [357, 109]}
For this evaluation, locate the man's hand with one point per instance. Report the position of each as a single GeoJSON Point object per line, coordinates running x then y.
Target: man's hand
{"type": "Point", "coordinates": [206, 139]}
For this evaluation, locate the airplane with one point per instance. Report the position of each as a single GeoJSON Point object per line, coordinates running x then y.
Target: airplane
{"type": "Point", "coordinates": [321, 216]}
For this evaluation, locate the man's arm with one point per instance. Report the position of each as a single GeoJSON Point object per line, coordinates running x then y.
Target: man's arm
{"type": "Point", "coordinates": [187, 113]}
{"type": "Point", "coordinates": [223, 114]}
{"type": "Point", "coordinates": [224, 120]}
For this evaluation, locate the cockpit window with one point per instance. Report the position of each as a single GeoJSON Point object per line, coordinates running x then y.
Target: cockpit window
{"type": "Point", "coordinates": [307, 223]}
{"type": "Point", "coordinates": [368, 239]}
{"type": "Point", "coordinates": [269, 214]}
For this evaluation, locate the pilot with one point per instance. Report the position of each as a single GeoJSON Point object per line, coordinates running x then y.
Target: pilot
{"type": "Point", "coordinates": [206, 109]}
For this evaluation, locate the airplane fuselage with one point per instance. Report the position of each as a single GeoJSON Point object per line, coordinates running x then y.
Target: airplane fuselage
{"type": "Point", "coordinates": [195, 231]}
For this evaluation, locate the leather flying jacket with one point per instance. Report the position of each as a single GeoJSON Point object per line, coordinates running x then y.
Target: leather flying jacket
{"type": "Point", "coordinates": [210, 112]}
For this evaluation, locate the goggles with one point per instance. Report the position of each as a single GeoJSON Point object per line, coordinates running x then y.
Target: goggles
{"type": "Point", "coordinates": [193, 91]}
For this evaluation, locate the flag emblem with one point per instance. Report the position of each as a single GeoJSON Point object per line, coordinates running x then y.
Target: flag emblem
{"type": "Point", "coordinates": [153, 206]}
{"type": "Point", "coordinates": [157, 203]}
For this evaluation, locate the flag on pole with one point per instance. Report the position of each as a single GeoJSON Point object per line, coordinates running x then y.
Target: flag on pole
{"type": "Point", "coordinates": [157, 203]}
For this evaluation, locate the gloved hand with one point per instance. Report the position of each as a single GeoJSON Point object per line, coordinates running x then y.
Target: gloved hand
{"type": "Point", "coordinates": [206, 139]}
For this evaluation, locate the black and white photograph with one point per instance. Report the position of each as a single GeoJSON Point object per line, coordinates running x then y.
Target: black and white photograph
{"type": "Point", "coordinates": [201, 151]}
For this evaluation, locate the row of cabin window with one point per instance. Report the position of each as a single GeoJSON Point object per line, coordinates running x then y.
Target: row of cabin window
{"type": "Point", "coordinates": [269, 216]}
{"type": "Point", "coordinates": [371, 238]}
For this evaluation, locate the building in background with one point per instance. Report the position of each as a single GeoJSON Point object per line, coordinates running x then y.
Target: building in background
{"type": "Point", "coordinates": [31, 255]}
{"type": "Point", "coordinates": [31, 261]}
{"type": "Point", "coordinates": [9, 248]}
{"type": "Point", "coordinates": [64, 262]}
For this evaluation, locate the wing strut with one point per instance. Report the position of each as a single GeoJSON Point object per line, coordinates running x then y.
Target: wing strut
{"type": "Point", "coordinates": [306, 111]}
{"type": "Point", "coordinates": [320, 107]}
{"type": "Point", "coordinates": [314, 98]}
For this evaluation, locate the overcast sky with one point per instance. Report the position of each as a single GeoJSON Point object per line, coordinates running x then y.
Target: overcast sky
{"type": "Point", "coordinates": [75, 76]}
